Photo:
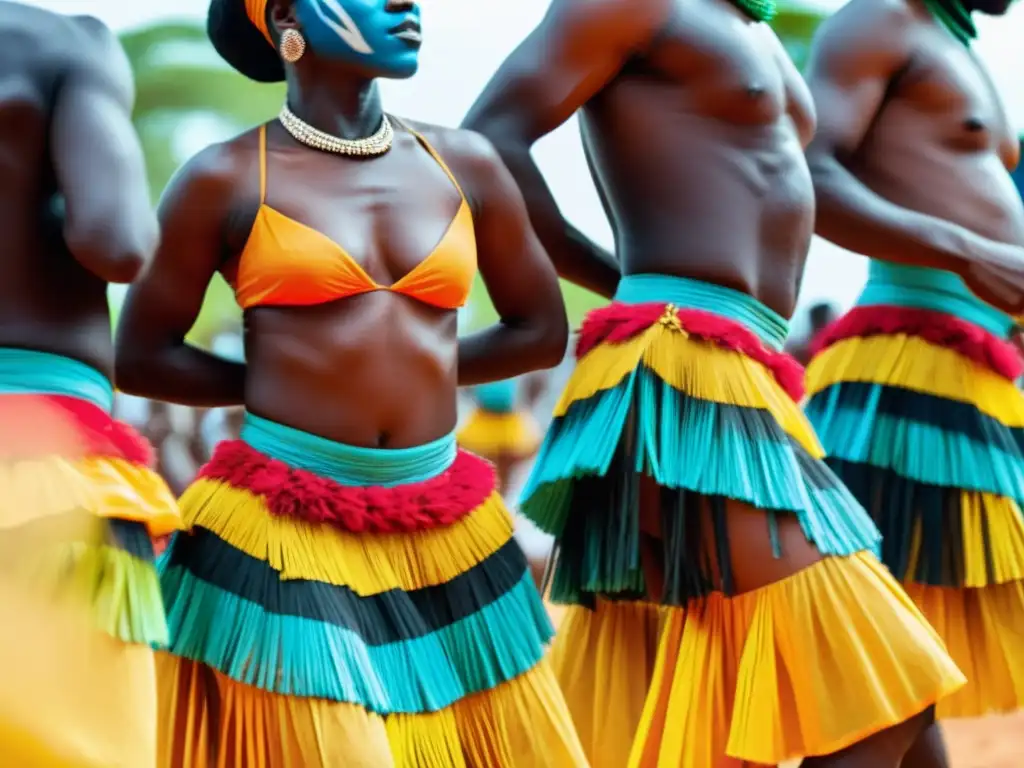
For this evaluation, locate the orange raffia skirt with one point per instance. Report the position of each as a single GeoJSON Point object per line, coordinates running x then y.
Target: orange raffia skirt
{"type": "Point", "coordinates": [79, 595]}
{"type": "Point", "coordinates": [913, 395]}
{"type": "Point", "coordinates": [332, 605]}
{"type": "Point", "coordinates": [673, 382]}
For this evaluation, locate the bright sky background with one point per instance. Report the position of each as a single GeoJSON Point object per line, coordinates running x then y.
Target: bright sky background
{"type": "Point", "coordinates": [465, 40]}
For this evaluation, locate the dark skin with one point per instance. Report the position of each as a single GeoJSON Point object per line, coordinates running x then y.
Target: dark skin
{"type": "Point", "coordinates": [74, 205]}
{"type": "Point", "coordinates": [913, 149]}
{"type": "Point", "coordinates": [378, 369]}
{"type": "Point", "coordinates": [694, 121]}
{"type": "Point", "coordinates": [681, 108]}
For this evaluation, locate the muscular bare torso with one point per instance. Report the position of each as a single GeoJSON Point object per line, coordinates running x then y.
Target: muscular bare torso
{"type": "Point", "coordinates": [697, 146]}
{"type": "Point", "coordinates": [47, 300]}
{"type": "Point", "coordinates": [942, 143]}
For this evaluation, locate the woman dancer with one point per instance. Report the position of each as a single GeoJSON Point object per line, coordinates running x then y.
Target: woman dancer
{"type": "Point", "coordinates": [501, 429]}
{"type": "Point", "coordinates": [348, 591]}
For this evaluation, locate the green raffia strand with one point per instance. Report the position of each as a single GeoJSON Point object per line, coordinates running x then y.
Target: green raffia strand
{"type": "Point", "coordinates": [955, 18]}
{"type": "Point", "coordinates": [758, 10]}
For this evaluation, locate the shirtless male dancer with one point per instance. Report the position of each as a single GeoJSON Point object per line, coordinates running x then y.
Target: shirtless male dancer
{"type": "Point", "coordinates": [75, 215]}
{"type": "Point", "coordinates": [912, 392]}
{"type": "Point", "coordinates": [679, 468]}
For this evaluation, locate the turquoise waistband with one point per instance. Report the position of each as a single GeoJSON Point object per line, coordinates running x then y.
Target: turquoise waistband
{"type": "Point", "coordinates": [685, 293]}
{"type": "Point", "coordinates": [497, 396]}
{"type": "Point", "coordinates": [349, 464]}
{"type": "Point", "coordinates": [932, 289]}
{"type": "Point", "coordinates": [30, 372]}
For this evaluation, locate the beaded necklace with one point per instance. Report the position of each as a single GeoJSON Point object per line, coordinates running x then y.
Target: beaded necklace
{"type": "Point", "coordinates": [955, 18]}
{"type": "Point", "coordinates": [304, 133]}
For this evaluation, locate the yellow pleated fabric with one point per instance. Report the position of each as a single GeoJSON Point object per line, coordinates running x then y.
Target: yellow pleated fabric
{"type": "Point", "coordinates": [746, 676]}
{"type": "Point", "coordinates": [498, 435]}
{"type": "Point", "coordinates": [70, 696]}
{"type": "Point", "coordinates": [256, 729]}
{"type": "Point", "coordinates": [523, 723]}
{"type": "Point", "coordinates": [604, 661]}
{"type": "Point", "coordinates": [684, 364]}
{"type": "Point", "coordinates": [983, 630]}
{"type": "Point", "coordinates": [520, 724]}
{"type": "Point", "coordinates": [912, 363]}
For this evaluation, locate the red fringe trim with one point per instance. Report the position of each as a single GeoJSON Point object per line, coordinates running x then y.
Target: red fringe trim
{"type": "Point", "coordinates": [297, 493]}
{"type": "Point", "coordinates": [620, 322]}
{"type": "Point", "coordinates": [937, 328]}
{"type": "Point", "coordinates": [40, 425]}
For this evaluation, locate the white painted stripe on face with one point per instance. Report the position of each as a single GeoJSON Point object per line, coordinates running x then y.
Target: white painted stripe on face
{"type": "Point", "coordinates": [346, 29]}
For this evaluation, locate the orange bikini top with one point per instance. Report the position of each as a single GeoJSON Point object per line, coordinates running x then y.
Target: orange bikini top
{"type": "Point", "coordinates": [287, 263]}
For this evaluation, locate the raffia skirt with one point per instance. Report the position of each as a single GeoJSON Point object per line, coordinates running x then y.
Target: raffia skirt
{"type": "Point", "coordinates": [921, 418]}
{"type": "Point", "coordinates": [79, 594]}
{"type": "Point", "coordinates": [514, 435]}
{"type": "Point", "coordinates": [672, 384]}
{"type": "Point", "coordinates": [325, 614]}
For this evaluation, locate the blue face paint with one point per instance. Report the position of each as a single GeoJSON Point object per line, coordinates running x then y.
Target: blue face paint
{"type": "Point", "coordinates": [364, 32]}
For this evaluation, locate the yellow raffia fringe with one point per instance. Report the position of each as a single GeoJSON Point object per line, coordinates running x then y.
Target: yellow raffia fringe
{"type": "Point", "coordinates": [803, 667]}
{"type": "Point", "coordinates": [71, 697]}
{"type": "Point", "coordinates": [913, 363]}
{"type": "Point", "coordinates": [495, 435]}
{"type": "Point", "coordinates": [1004, 543]}
{"type": "Point", "coordinates": [203, 716]}
{"type": "Point", "coordinates": [368, 563]}
{"type": "Point", "coordinates": [35, 489]}
{"type": "Point", "coordinates": [523, 723]}
{"type": "Point", "coordinates": [982, 629]}
{"type": "Point", "coordinates": [604, 662]}
{"type": "Point", "coordinates": [700, 369]}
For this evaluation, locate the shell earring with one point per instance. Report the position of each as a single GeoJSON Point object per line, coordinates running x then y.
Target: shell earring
{"type": "Point", "coordinates": [293, 45]}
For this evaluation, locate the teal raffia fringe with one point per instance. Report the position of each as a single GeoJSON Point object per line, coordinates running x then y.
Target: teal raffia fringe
{"type": "Point", "coordinates": [496, 396]}
{"type": "Point", "coordinates": [391, 653]}
{"type": "Point", "coordinates": [919, 437]}
{"type": "Point", "coordinates": [910, 458]}
{"type": "Point", "coordinates": [584, 488]}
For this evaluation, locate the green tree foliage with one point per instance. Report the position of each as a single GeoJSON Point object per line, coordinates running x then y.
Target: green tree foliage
{"type": "Point", "coordinates": [182, 87]}
{"type": "Point", "coordinates": [795, 25]}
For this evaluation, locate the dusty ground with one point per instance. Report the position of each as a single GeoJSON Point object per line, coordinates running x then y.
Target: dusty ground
{"type": "Point", "coordinates": [992, 742]}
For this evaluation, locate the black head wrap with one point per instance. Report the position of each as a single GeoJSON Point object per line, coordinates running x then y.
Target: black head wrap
{"type": "Point", "coordinates": [240, 43]}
